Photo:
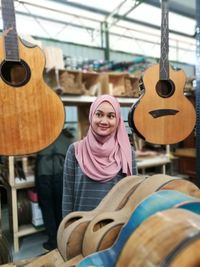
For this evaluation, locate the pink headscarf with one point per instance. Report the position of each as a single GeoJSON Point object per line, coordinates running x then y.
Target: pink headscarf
{"type": "Point", "coordinates": [101, 158]}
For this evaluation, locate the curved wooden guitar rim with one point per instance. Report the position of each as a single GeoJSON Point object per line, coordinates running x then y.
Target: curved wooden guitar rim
{"type": "Point", "coordinates": [154, 203]}
{"type": "Point", "coordinates": [94, 240]}
{"type": "Point", "coordinates": [188, 256]}
{"type": "Point", "coordinates": [73, 262]}
{"type": "Point", "coordinates": [160, 228]}
{"type": "Point", "coordinates": [75, 223]}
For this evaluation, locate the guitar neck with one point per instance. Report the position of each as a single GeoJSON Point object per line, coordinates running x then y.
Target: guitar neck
{"type": "Point", "coordinates": [164, 63]}
{"type": "Point", "coordinates": [9, 31]}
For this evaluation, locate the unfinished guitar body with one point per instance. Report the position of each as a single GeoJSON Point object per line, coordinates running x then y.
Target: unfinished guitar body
{"type": "Point", "coordinates": [154, 203]}
{"type": "Point", "coordinates": [103, 230]}
{"type": "Point", "coordinates": [73, 226]}
{"type": "Point", "coordinates": [31, 114]}
{"type": "Point", "coordinates": [168, 238]}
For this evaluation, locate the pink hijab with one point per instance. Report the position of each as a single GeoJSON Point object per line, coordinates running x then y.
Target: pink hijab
{"type": "Point", "coordinates": [101, 158]}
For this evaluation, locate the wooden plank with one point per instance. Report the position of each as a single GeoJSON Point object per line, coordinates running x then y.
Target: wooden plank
{"type": "Point", "coordinates": [52, 258]}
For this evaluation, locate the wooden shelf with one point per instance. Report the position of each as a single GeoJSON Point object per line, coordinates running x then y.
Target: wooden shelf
{"type": "Point", "coordinates": [27, 230]}
{"type": "Point", "coordinates": [91, 83]}
{"type": "Point", "coordinates": [77, 100]}
{"type": "Point", "coordinates": [22, 184]}
{"type": "Point", "coordinates": [153, 161]}
{"type": "Point", "coordinates": [13, 184]}
{"type": "Point", "coordinates": [185, 152]}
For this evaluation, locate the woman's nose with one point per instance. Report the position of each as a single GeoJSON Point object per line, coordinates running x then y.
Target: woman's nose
{"type": "Point", "coordinates": [104, 120]}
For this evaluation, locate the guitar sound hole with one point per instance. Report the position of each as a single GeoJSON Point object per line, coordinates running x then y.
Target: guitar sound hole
{"type": "Point", "coordinates": [165, 88]}
{"type": "Point", "coordinates": [15, 73]}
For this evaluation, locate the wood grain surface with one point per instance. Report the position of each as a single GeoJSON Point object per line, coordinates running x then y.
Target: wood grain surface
{"type": "Point", "coordinates": [32, 115]}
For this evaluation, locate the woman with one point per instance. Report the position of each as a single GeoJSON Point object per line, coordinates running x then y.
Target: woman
{"type": "Point", "coordinates": [96, 163]}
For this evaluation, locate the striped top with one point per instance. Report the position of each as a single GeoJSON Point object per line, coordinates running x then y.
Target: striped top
{"type": "Point", "coordinates": [81, 193]}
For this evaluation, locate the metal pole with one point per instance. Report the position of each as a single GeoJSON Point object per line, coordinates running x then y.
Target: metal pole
{"type": "Point", "coordinates": [106, 42]}
{"type": "Point", "coordinates": [198, 91]}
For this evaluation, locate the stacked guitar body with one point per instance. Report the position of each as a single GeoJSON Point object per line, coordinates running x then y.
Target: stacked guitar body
{"type": "Point", "coordinates": [142, 221]}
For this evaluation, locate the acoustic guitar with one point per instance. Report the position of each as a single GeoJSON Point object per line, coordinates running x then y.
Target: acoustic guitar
{"type": "Point", "coordinates": [163, 115]}
{"type": "Point", "coordinates": [158, 201]}
{"type": "Point", "coordinates": [31, 114]}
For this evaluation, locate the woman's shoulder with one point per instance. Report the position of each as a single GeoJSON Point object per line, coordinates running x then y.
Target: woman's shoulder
{"type": "Point", "coordinates": [70, 156]}
{"type": "Point", "coordinates": [71, 148]}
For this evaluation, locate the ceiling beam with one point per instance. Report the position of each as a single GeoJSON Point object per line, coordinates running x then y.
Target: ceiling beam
{"type": "Point", "coordinates": [175, 8]}
{"type": "Point", "coordinates": [103, 12]}
{"type": "Point", "coordinates": [116, 11]}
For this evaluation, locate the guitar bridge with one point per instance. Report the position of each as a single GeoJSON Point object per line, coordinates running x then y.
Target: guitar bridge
{"type": "Point", "coordinates": [163, 112]}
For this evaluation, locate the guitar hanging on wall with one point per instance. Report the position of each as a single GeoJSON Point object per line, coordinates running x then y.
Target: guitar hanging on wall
{"type": "Point", "coordinates": [163, 115]}
{"type": "Point", "coordinates": [31, 114]}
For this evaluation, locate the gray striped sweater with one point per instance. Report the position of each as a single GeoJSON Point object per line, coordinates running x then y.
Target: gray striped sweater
{"type": "Point", "coordinates": [81, 193]}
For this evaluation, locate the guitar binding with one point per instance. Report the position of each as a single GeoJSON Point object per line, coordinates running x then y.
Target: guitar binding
{"type": "Point", "coordinates": [131, 121]}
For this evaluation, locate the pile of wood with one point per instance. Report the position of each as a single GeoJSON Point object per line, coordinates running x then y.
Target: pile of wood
{"type": "Point", "coordinates": [70, 83]}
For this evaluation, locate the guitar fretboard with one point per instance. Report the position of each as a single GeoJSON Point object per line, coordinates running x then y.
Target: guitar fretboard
{"type": "Point", "coordinates": [10, 33]}
{"type": "Point", "coordinates": [164, 63]}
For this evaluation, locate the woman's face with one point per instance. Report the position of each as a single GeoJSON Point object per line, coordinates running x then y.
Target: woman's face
{"type": "Point", "coordinates": [104, 120]}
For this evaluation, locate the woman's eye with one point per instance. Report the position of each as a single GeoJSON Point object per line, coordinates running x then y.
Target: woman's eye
{"type": "Point", "coordinates": [98, 114]}
{"type": "Point", "coordinates": [111, 116]}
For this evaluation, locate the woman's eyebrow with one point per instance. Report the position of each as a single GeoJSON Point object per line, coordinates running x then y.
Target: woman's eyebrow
{"type": "Point", "coordinates": [110, 113]}
{"type": "Point", "coordinates": [98, 110]}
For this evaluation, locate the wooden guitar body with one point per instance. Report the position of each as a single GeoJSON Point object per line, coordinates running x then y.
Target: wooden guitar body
{"type": "Point", "coordinates": [163, 120]}
{"type": "Point", "coordinates": [103, 230]}
{"type": "Point", "coordinates": [168, 238]}
{"type": "Point", "coordinates": [157, 201]}
{"type": "Point", "coordinates": [31, 114]}
{"type": "Point", "coordinates": [73, 226]}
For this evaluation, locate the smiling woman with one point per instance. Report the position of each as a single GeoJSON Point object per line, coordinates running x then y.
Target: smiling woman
{"type": "Point", "coordinates": [96, 163]}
